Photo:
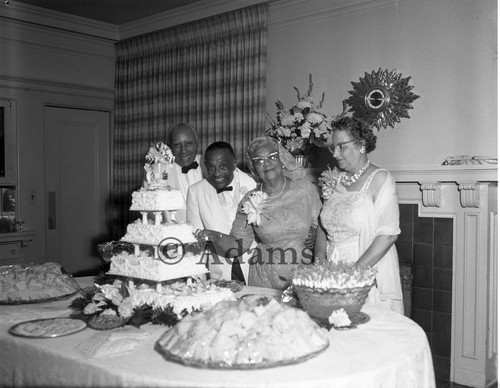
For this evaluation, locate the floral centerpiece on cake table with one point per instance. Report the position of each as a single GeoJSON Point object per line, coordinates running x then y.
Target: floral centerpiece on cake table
{"type": "Point", "coordinates": [303, 127]}
{"type": "Point", "coordinates": [107, 306]}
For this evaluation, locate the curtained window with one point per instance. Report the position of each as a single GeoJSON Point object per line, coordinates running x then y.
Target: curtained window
{"type": "Point", "coordinates": [209, 73]}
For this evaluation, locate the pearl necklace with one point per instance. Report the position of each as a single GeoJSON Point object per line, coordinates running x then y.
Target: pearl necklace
{"type": "Point", "coordinates": [277, 195]}
{"type": "Point", "coordinates": [347, 181]}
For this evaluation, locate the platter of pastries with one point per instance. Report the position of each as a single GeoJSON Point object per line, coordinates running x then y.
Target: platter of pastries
{"type": "Point", "coordinates": [251, 333]}
{"type": "Point", "coordinates": [35, 283]}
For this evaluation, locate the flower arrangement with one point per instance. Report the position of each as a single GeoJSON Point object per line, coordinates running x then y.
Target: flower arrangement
{"type": "Point", "coordinates": [254, 206]}
{"type": "Point", "coordinates": [158, 156]}
{"type": "Point", "coordinates": [113, 301]}
{"type": "Point", "coordinates": [303, 127]}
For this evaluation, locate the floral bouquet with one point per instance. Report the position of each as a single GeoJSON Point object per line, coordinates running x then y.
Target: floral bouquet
{"type": "Point", "coordinates": [108, 306]}
{"type": "Point", "coordinates": [303, 127]}
{"type": "Point", "coordinates": [157, 158]}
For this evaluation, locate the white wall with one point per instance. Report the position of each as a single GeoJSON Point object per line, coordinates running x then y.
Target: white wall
{"type": "Point", "coordinates": [447, 47]}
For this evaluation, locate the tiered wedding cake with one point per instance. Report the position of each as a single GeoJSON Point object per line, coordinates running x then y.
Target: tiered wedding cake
{"type": "Point", "coordinates": [172, 243]}
{"type": "Point", "coordinates": [173, 250]}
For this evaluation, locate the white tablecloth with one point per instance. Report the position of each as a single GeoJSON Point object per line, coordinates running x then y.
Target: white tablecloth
{"type": "Point", "coordinates": [388, 351]}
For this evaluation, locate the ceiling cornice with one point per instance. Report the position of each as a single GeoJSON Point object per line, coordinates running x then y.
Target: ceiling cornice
{"type": "Point", "coordinates": [199, 10]}
{"type": "Point", "coordinates": [58, 20]}
{"type": "Point", "coordinates": [284, 13]}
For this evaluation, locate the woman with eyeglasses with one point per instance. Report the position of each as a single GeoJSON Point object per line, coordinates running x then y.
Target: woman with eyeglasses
{"type": "Point", "coordinates": [280, 214]}
{"type": "Point", "coordinates": [359, 221]}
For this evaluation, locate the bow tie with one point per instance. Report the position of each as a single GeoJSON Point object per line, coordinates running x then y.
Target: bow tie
{"type": "Point", "coordinates": [192, 166]}
{"type": "Point", "coordinates": [228, 188]}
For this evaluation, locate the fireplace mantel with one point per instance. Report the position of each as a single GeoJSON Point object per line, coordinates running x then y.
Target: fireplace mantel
{"type": "Point", "coordinates": [457, 174]}
{"type": "Point", "coordinates": [468, 194]}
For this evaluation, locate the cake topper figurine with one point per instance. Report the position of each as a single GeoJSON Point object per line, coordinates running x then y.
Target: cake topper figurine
{"type": "Point", "coordinates": [158, 158]}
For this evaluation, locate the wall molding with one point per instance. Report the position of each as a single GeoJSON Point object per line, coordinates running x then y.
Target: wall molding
{"type": "Point", "coordinates": [40, 38]}
{"type": "Point", "coordinates": [287, 13]}
{"type": "Point", "coordinates": [469, 195]}
{"type": "Point", "coordinates": [431, 194]}
{"type": "Point", "coordinates": [458, 174]}
{"type": "Point", "coordinates": [283, 13]}
{"type": "Point", "coordinates": [60, 88]}
{"type": "Point", "coordinates": [58, 20]}
{"type": "Point", "coordinates": [196, 11]}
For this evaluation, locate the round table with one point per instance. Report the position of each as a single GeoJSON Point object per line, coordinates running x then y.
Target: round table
{"type": "Point", "coordinates": [389, 350]}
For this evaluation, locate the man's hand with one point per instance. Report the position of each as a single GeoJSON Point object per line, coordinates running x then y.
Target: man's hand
{"type": "Point", "coordinates": [311, 237]}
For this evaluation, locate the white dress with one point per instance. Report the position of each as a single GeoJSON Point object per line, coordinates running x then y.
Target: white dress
{"type": "Point", "coordinates": [352, 221]}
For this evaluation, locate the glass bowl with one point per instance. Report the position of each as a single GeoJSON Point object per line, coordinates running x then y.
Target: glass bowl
{"type": "Point", "coordinates": [320, 303]}
{"type": "Point", "coordinates": [108, 249]}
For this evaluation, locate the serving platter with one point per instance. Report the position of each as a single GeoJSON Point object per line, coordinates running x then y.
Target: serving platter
{"type": "Point", "coordinates": [221, 365]}
{"type": "Point", "coordinates": [48, 327]}
{"type": "Point", "coordinates": [41, 300]}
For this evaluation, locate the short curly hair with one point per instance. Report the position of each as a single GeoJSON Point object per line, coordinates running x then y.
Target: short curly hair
{"type": "Point", "coordinates": [252, 148]}
{"type": "Point", "coordinates": [358, 130]}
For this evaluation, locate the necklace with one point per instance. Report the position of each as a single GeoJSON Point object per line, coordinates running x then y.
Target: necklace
{"type": "Point", "coordinates": [347, 181]}
{"type": "Point", "coordinates": [277, 195]}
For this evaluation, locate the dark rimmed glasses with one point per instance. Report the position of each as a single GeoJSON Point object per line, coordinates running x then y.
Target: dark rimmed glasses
{"type": "Point", "coordinates": [341, 146]}
{"type": "Point", "coordinates": [260, 160]}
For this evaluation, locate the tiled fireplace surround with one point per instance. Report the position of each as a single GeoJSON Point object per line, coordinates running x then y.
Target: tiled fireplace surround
{"type": "Point", "coordinates": [449, 238]}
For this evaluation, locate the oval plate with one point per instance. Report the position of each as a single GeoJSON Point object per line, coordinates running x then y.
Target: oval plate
{"type": "Point", "coordinates": [42, 300]}
{"type": "Point", "coordinates": [48, 327]}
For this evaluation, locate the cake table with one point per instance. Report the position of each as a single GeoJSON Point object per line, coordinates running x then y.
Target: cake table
{"type": "Point", "coordinates": [389, 350]}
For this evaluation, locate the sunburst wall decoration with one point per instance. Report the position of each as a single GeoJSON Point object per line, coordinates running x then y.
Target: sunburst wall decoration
{"type": "Point", "coordinates": [381, 98]}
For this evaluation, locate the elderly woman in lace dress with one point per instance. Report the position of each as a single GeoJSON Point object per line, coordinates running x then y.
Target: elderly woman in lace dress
{"type": "Point", "coordinates": [360, 215]}
{"type": "Point", "coordinates": [280, 215]}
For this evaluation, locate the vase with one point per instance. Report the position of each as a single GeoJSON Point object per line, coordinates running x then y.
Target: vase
{"type": "Point", "coordinates": [302, 160]}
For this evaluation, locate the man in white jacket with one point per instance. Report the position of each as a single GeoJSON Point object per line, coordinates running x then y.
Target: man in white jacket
{"type": "Point", "coordinates": [213, 202]}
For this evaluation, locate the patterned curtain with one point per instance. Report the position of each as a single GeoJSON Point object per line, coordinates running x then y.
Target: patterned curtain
{"type": "Point", "coordinates": [210, 73]}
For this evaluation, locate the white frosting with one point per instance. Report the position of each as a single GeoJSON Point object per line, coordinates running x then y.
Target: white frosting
{"type": "Point", "coordinates": [181, 296]}
{"type": "Point", "coordinates": [151, 234]}
{"type": "Point", "coordinates": [146, 267]}
{"type": "Point", "coordinates": [156, 200]}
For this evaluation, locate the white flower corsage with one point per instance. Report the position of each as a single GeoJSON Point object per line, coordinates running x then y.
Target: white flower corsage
{"type": "Point", "coordinates": [329, 182]}
{"type": "Point", "coordinates": [339, 318]}
{"type": "Point", "coordinates": [254, 206]}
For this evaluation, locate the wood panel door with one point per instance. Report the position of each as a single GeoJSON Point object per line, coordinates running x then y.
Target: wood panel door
{"type": "Point", "coordinates": [77, 186]}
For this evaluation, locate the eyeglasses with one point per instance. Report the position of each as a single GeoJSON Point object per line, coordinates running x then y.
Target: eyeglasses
{"type": "Point", "coordinates": [341, 146]}
{"type": "Point", "coordinates": [260, 160]}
